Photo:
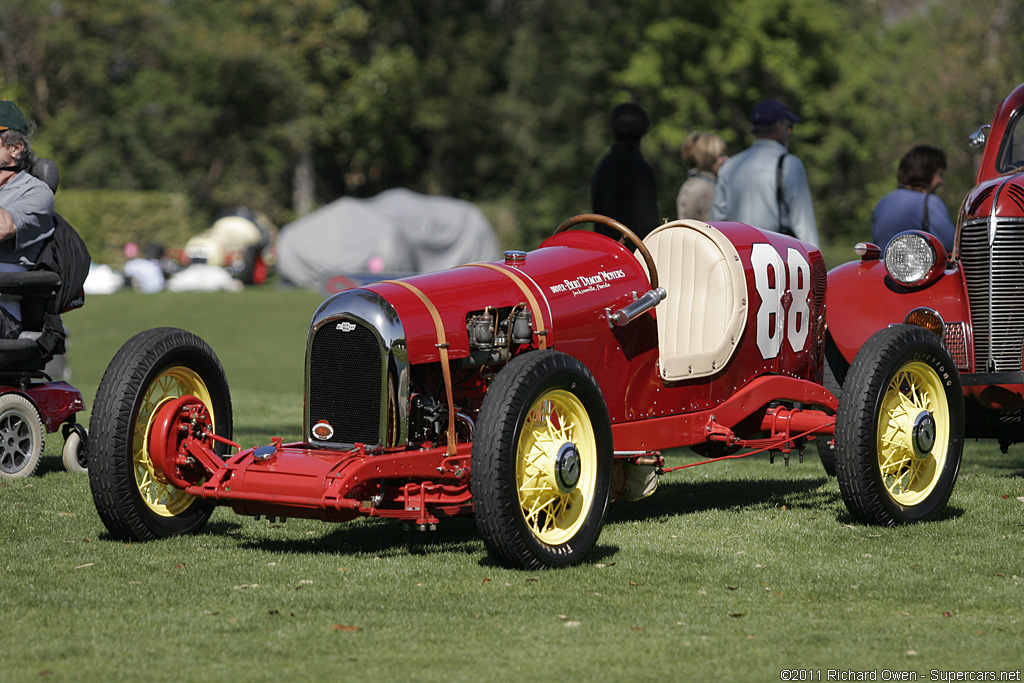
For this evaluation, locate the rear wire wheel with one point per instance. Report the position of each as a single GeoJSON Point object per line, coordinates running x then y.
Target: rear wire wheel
{"type": "Point", "coordinates": [542, 462]}
{"type": "Point", "coordinates": [900, 428]}
{"type": "Point", "coordinates": [134, 499]}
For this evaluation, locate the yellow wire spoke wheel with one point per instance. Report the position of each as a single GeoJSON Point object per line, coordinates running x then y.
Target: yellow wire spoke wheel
{"type": "Point", "coordinates": [134, 499]}
{"type": "Point", "coordinates": [157, 493]}
{"type": "Point", "coordinates": [900, 428]}
{"type": "Point", "coordinates": [541, 466]}
{"type": "Point", "coordinates": [556, 467]}
{"type": "Point", "coordinates": [913, 433]}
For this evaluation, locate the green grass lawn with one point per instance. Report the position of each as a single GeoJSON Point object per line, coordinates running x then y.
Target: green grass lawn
{"type": "Point", "coordinates": [733, 571]}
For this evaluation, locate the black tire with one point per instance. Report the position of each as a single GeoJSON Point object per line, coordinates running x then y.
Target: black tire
{"type": "Point", "coordinates": [555, 522]}
{"type": "Point", "coordinates": [152, 367]}
{"type": "Point", "coordinates": [835, 370]}
{"type": "Point", "coordinates": [21, 437]}
{"type": "Point", "coordinates": [900, 428]}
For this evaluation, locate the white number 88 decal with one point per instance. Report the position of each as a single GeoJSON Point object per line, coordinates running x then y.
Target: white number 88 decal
{"type": "Point", "coordinates": [773, 320]}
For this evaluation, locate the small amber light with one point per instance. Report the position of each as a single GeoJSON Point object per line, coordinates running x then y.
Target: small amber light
{"type": "Point", "coordinates": [926, 318]}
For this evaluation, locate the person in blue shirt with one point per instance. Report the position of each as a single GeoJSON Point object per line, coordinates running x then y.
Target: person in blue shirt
{"type": "Point", "coordinates": [764, 185]}
{"type": "Point", "coordinates": [914, 205]}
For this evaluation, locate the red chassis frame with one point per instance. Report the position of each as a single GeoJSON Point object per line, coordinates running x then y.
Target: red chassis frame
{"type": "Point", "coordinates": [293, 480]}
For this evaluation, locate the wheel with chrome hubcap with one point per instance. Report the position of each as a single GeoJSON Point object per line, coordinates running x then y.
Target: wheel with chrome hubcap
{"type": "Point", "coordinates": [900, 428]}
{"type": "Point", "coordinates": [542, 462]}
{"type": "Point", "coordinates": [153, 372]}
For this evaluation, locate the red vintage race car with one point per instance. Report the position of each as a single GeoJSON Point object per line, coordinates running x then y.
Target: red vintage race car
{"type": "Point", "coordinates": [529, 392]}
{"type": "Point", "coordinates": [971, 299]}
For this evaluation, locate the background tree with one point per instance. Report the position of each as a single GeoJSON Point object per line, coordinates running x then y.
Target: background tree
{"type": "Point", "coordinates": [285, 106]}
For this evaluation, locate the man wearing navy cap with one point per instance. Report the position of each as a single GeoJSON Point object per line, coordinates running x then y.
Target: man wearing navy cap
{"type": "Point", "coordinates": [764, 185]}
{"type": "Point", "coordinates": [26, 208]}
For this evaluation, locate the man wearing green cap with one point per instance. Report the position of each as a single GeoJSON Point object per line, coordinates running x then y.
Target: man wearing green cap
{"type": "Point", "coordinates": [26, 208]}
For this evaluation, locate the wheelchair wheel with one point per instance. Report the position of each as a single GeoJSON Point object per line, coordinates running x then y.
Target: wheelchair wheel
{"type": "Point", "coordinates": [21, 437]}
{"type": "Point", "coordinates": [76, 451]}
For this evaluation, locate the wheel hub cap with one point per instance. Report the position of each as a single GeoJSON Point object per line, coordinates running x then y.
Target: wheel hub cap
{"type": "Point", "coordinates": [567, 467]}
{"type": "Point", "coordinates": [923, 435]}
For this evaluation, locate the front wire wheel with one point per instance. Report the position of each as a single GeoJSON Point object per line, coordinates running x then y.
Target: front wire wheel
{"type": "Point", "coordinates": [159, 495]}
{"type": "Point", "coordinates": [556, 467]}
{"type": "Point", "coordinates": [542, 461]}
{"type": "Point", "coordinates": [900, 428]}
{"type": "Point", "coordinates": [133, 497]}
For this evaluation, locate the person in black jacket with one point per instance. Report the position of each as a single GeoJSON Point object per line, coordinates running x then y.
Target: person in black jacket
{"type": "Point", "coordinates": [623, 186]}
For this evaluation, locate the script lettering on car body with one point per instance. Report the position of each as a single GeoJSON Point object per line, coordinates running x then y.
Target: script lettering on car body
{"type": "Point", "coordinates": [587, 283]}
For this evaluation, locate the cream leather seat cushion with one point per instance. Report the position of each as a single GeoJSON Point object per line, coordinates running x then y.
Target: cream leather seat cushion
{"type": "Point", "coordinates": [703, 317]}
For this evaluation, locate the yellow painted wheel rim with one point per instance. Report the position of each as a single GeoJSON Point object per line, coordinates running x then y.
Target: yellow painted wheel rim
{"type": "Point", "coordinates": [157, 493]}
{"type": "Point", "coordinates": [910, 470]}
{"type": "Point", "coordinates": [556, 467]}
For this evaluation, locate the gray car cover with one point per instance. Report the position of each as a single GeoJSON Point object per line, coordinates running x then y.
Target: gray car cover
{"type": "Point", "coordinates": [397, 232]}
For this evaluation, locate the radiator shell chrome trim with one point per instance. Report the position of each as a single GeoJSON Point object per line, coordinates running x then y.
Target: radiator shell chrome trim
{"type": "Point", "coordinates": [371, 311]}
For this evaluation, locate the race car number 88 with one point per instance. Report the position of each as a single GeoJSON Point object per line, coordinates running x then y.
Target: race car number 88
{"type": "Point", "coordinates": [781, 317]}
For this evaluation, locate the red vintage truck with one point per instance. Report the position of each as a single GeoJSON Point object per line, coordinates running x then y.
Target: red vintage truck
{"type": "Point", "coordinates": [971, 298]}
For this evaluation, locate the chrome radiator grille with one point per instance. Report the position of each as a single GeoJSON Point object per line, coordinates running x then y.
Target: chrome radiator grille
{"type": "Point", "coordinates": [993, 263]}
{"type": "Point", "coordinates": [345, 377]}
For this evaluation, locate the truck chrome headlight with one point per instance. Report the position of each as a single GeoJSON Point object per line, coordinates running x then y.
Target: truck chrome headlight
{"type": "Point", "coordinates": [915, 258]}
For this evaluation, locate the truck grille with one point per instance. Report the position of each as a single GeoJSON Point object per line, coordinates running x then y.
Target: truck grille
{"type": "Point", "coordinates": [345, 376]}
{"type": "Point", "coordinates": [994, 271]}
{"type": "Point", "coordinates": [955, 338]}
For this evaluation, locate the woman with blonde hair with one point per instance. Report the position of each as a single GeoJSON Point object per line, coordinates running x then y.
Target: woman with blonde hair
{"type": "Point", "coordinates": [705, 152]}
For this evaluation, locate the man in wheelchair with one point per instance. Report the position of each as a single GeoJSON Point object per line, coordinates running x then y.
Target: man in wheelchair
{"type": "Point", "coordinates": [26, 210]}
{"type": "Point", "coordinates": [43, 264]}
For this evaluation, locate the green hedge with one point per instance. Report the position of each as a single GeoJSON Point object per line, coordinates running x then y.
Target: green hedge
{"type": "Point", "coordinates": [109, 219]}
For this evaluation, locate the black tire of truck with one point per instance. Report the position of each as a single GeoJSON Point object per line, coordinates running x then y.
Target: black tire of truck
{"type": "Point", "coordinates": [133, 500]}
{"type": "Point", "coordinates": [900, 428]}
{"type": "Point", "coordinates": [542, 462]}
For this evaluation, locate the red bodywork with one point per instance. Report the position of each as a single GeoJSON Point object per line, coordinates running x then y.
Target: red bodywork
{"type": "Point", "coordinates": [976, 295]}
{"type": "Point", "coordinates": [760, 399]}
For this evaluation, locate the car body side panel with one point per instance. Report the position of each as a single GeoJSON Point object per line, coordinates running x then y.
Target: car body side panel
{"type": "Point", "coordinates": [863, 299]}
{"type": "Point", "coordinates": [577, 276]}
